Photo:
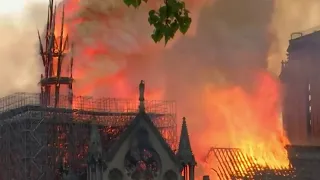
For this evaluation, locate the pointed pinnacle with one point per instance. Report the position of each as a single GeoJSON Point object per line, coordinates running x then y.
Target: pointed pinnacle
{"type": "Point", "coordinates": [185, 152]}
{"type": "Point", "coordinates": [184, 136]}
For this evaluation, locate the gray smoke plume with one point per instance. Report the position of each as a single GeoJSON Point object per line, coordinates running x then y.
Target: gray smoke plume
{"type": "Point", "coordinates": [288, 17]}
{"type": "Point", "coordinates": [19, 64]}
{"type": "Point", "coordinates": [231, 45]}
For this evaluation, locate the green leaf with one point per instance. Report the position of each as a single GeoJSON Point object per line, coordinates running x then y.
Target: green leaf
{"type": "Point", "coordinates": [172, 2]}
{"type": "Point", "coordinates": [128, 2]}
{"type": "Point", "coordinates": [175, 5]}
{"type": "Point", "coordinates": [157, 35]}
{"type": "Point", "coordinates": [168, 33]}
{"type": "Point", "coordinates": [152, 13]}
{"type": "Point", "coordinates": [170, 12]}
{"type": "Point", "coordinates": [175, 26]}
{"type": "Point", "coordinates": [163, 9]}
{"type": "Point", "coordinates": [136, 3]}
{"type": "Point", "coordinates": [166, 21]}
{"type": "Point", "coordinates": [153, 17]}
{"type": "Point", "coordinates": [185, 25]}
{"type": "Point", "coordinates": [182, 5]}
{"type": "Point", "coordinates": [163, 13]}
{"type": "Point", "coordinates": [158, 25]}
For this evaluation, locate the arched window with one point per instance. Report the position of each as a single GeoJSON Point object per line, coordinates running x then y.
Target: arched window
{"type": "Point", "coordinates": [170, 175]}
{"type": "Point", "coordinates": [115, 174]}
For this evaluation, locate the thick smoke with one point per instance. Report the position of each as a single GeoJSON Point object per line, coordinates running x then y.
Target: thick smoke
{"type": "Point", "coordinates": [229, 42]}
{"type": "Point", "coordinates": [19, 63]}
{"type": "Point", "coordinates": [291, 16]}
{"type": "Point", "coordinates": [229, 46]}
{"type": "Point", "coordinates": [116, 40]}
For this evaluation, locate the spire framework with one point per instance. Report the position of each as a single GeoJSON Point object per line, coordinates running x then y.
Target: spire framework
{"type": "Point", "coordinates": [54, 47]}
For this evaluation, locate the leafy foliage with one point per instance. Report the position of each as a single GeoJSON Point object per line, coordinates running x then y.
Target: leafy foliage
{"type": "Point", "coordinates": [167, 20]}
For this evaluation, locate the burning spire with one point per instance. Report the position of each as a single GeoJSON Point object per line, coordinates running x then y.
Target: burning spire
{"type": "Point", "coordinates": [53, 51]}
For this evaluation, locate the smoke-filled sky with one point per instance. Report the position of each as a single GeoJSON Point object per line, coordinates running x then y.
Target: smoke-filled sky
{"type": "Point", "coordinates": [226, 23]}
{"type": "Point", "coordinates": [20, 68]}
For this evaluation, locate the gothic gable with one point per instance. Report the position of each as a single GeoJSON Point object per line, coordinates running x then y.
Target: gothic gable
{"type": "Point", "coordinates": [141, 148]}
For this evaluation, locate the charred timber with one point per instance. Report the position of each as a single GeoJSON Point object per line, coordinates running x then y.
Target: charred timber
{"type": "Point", "coordinates": [56, 80]}
{"type": "Point", "coordinates": [233, 164]}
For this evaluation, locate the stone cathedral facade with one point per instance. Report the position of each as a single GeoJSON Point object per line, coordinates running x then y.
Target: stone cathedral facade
{"type": "Point", "coordinates": [140, 153]}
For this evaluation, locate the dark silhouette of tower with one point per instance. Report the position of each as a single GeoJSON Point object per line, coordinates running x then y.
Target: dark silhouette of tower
{"type": "Point", "coordinates": [54, 48]}
{"type": "Point", "coordinates": [185, 154]}
{"type": "Point", "coordinates": [301, 82]}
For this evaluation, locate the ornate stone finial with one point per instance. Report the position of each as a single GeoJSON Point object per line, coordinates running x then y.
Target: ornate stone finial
{"type": "Point", "coordinates": [141, 96]}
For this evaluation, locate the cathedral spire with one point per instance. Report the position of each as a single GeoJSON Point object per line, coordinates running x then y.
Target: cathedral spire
{"type": "Point", "coordinates": [184, 153]}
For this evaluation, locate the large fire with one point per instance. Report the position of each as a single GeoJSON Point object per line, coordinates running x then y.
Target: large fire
{"type": "Point", "coordinates": [234, 117]}
{"type": "Point", "coordinates": [249, 121]}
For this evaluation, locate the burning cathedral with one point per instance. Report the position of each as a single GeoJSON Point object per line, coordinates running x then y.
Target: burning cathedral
{"type": "Point", "coordinates": [55, 135]}
{"type": "Point", "coordinates": [50, 136]}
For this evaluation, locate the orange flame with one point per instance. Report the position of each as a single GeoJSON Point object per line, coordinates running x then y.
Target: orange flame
{"type": "Point", "coordinates": [246, 119]}
{"type": "Point", "coordinates": [249, 121]}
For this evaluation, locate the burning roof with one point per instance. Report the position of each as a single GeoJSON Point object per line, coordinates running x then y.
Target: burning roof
{"type": "Point", "coordinates": [234, 164]}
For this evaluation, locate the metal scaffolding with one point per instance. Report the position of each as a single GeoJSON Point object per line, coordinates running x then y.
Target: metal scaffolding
{"type": "Point", "coordinates": [234, 164]}
{"type": "Point", "coordinates": [36, 138]}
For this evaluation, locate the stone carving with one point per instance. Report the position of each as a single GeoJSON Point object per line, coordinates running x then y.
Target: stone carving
{"type": "Point", "coordinates": [141, 96]}
{"type": "Point", "coordinates": [141, 90]}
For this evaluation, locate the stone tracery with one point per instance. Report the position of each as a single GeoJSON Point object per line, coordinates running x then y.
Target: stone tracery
{"type": "Point", "coordinates": [142, 161]}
